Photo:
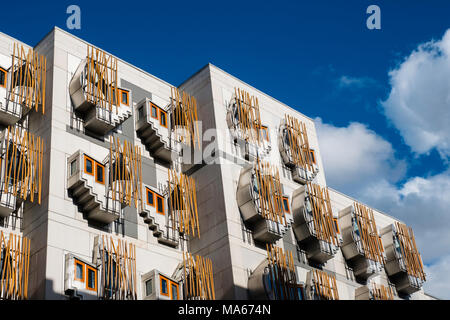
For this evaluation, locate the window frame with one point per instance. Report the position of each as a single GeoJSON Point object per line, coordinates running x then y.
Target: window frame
{"type": "Point", "coordinates": [158, 196]}
{"type": "Point", "coordinates": [161, 278]}
{"type": "Point", "coordinates": [86, 158]}
{"type": "Point", "coordinates": [139, 111]}
{"type": "Point", "coordinates": [127, 93]}
{"type": "Point", "coordinates": [171, 295]}
{"type": "Point", "coordinates": [153, 197]}
{"type": "Point", "coordinates": [289, 207]}
{"type": "Point", "coordinates": [152, 105]}
{"type": "Point", "coordinates": [6, 77]}
{"type": "Point", "coordinates": [88, 267]}
{"type": "Point", "coordinates": [146, 287]}
{"type": "Point", "coordinates": [336, 225]}
{"type": "Point", "coordinates": [98, 164]}
{"type": "Point", "coordinates": [312, 154]}
{"type": "Point", "coordinates": [266, 130]}
{"type": "Point", "coordinates": [72, 164]}
{"type": "Point", "coordinates": [76, 262]}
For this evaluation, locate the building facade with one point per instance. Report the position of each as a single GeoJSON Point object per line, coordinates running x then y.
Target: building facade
{"type": "Point", "coordinates": [119, 185]}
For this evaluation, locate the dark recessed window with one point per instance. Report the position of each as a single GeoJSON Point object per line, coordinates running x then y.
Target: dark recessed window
{"type": "Point", "coordinates": [125, 97]}
{"type": "Point", "coordinates": [164, 288]}
{"type": "Point", "coordinates": [286, 204]}
{"type": "Point", "coordinates": [73, 167]}
{"type": "Point", "coordinates": [174, 290]}
{"type": "Point", "coordinates": [159, 204]}
{"type": "Point", "coordinates": [163, 119]}
{"type": "Point", "coordinates": [91, 279]}
{"type": "Point", "coordinates": [154, 112]}
{"type": "Point", "coordinates": [150, 198]}
{"type": "Point", "coordinates": [148, 287]}
{"type": "Point", "coordinates": [141, 113]}
{"type": "Point", "coordinates": [79, 271]}
{"type": "Point", "coordinates": [2, 78]}
{"type": "Point", "coordinates": [100, 174]}
{"type": "Point", "coordinates": [89, 166]}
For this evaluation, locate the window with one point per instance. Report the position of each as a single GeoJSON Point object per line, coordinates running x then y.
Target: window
{"type": "Point", "coordinates": [163, 118]}
{"type": "Point", "coordinates": [286, 204]}
{"type": "Point", "coordinates": [148, 287]}
{"type": "Point", "coordinates": [159, 204]}
{"type": "Point", "coordinates": [140, 113]}
{"type": "Point", "coordinates": [265, 132]}
{"type": "Point", "coordinates": [336, 226]}
{"type": "Point", "coordinates": [79, 270]}
{"type": "Point", "coordinates": [73, 167]}
{"type": "Point", "coordinates": [174, 290]}
{"type": "Point", "coordinates": [154, 110]}
{"type": "Point", "coordinates": [150, 198]}
{"type": "Point", "coordinates": [91, 283]}
{"type": "Point", "coordinates": [100, 173]}
{"type": "Point", "coordinates": [88, 165]}
{"type": "Point", "coordinates": [124, 95]}
{"type": "Point", "coordinates": [313, 156]}
{"type": "Point", "coordinates": [3, 78]}
{"type": "Point", "coordinates": [164, 286]}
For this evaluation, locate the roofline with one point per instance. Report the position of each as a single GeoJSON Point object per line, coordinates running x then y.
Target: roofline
{"type": "Point", "coordinates": [236, 78]}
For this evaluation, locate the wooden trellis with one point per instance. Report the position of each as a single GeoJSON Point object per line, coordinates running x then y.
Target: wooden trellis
{"type": "Point", "coordinates": [380, 292]}
{"type": "Point", "coordinates": [21, 163]}
{"type": "Point", "coordinates": [270, 195]}
{"type": "Point", "coordinates": [299, 149]}
{"type": "Point", "coordinates": [118, 275]}
{"type": "Point", "coordinates": [184, 113]}
{"type": "Point", "coordinates": [183, 203]}
{"type": "Point", "coordinates": [370, 240]}
{"type": "Point", "coordinates": [28, 78]}
{"type": "Point", "coordinates": [322, 214]}
{"type": "Point", "coordinates": [101, 79]}
{"type": "Point", "coordinates": [410, 254]}
{"type": "Point", "coordinates": [282, 274]}
{"type": "Point", "coordinates": [198, 277]}
{"type": "Point", "coordinates": [325, 285]}
{"type": "Point", "coordinates": [126, 173]}
{"type": "Point", "coordinates": [249, 118]}
{"type": "Point", "coordinates": [14, 267]}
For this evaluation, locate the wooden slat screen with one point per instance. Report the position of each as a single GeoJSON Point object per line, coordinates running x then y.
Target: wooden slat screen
{"type": "Point", "coordinates": [269, 192]}
{"type": "Point", "coordinates": [14, 266]}
{"type": "Point", "coordinates": [183, 203]}
{"type": "Point", "coordinates": [184, 113]}
{"type": "Point", "coordinates": [126, 173]}
{"type": "Point", "coordinates": [325, 285]}
{"type": "Point", "coordinates": [380, 292]}
{"type": "Point", "coordinates": [28, 75]}
{"type": "Point", "coordinates": [282, 274]}
{"type": "Point", "coordinates": [118, 275]}
{"type": "Point", "coordinates": [249, 118]}
{"type": "Point", "coordinates": [322, 214]}
{"type": "Point", "coordinates": [300, 151]}
{"type": "Point", "coordinates": [21, 162]}
{"type": "Point", "coordinates": [198, 277]}
{"type": "Point", "coordinates": [101, 79]}
{"type": "Point", "coordinates": [370, 239]}
{"type": "Point", "coordinates": [411, 256]}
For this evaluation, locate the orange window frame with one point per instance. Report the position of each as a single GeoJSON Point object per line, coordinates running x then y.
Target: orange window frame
{"type": "Point", "coordinates": [161, 278]}
{"type": "Point", "coordinates": [87, 279]}
{"type": "Point", "coordinates": [86, 158]}
{"type": "Point", "coordinates": [78, 262]}
{"type": "Point", "coordinates": [6, 77]}
{"type": "Point", "coordinates": [127, 93]}
{"type": "Point", "coordinates": [289, 207]}
{"type": "Point", "coordinates": [159, 116]}
{"type": "Point", "coordinates": [98, 164]}
{"type": "Point", "coordinates": [176, 285]}
{"type": "Point", "coordinates": [336, 225]}
{"type": "Point", "coordinates": [157, 196]}
{"type": "Point", "coordinates": [153, 197]}
{"type": "Point", "coordinates": [152, 105]}
{"type": "Point", "coordinates": [266, 130]}
{"type": "Point", "coordinates": [313, 155]}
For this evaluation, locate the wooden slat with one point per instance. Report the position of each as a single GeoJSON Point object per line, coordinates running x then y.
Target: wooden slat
{"type": "Point", "coordinates": [249, 119]}
{"type": "Point", "coordinates": [185, 114]}
{"type": "Point", "coordinates": [325, 285]}
{"type": "Point", "coordinates": [198, 277]}
{"type": "Point", "coordinates": [410, 254]}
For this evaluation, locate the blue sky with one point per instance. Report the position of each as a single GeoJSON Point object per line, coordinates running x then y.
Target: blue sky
{"type": "Point", "coordinates": [316, 56]}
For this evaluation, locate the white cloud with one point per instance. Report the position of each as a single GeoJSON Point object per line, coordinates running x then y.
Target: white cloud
{"type": "Point", "coordinates": [354, 156]}
{"type": "Point", "coordinates": [355, 82]}
{"type": "Point", "coordinates": [438, 281]}
{"type": "Point", "coordinates": [419, 102]}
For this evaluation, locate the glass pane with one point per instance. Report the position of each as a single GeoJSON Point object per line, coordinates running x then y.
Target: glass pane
{"type": "Point", "coordinates": [150, 197]}
{"type": "Point", "coordinates": [149, 287]}
{"type": "Point", "coordinates": [163, 119]}
{"type": "Point", "coordinates": [141, 113]}
{"type": "Point", "coordinates": [160, 204]}
{"type": "Point", "coordinates": [2, 78]}
{"type": "Point", "coordinates": [286, 205]}
{"type": "Point", "coordinates": [79, 271]}
{"type": "Point", "coordinates": [91, 279]}
{"type": "Point", "coordinates": [88, 166]}
{"type": "Point", "coordinates": [99, 173]}
{"type": "Point", "coordinates": [154, 112]}
{"type": "Point", "coordinates": [164, 286]}
{"type": "Point", "coordinates": [73, 167]}
{"type": "Point", "coordinates": [174, 292]}
{"type": "Point", "coordinates": [124, 97]}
